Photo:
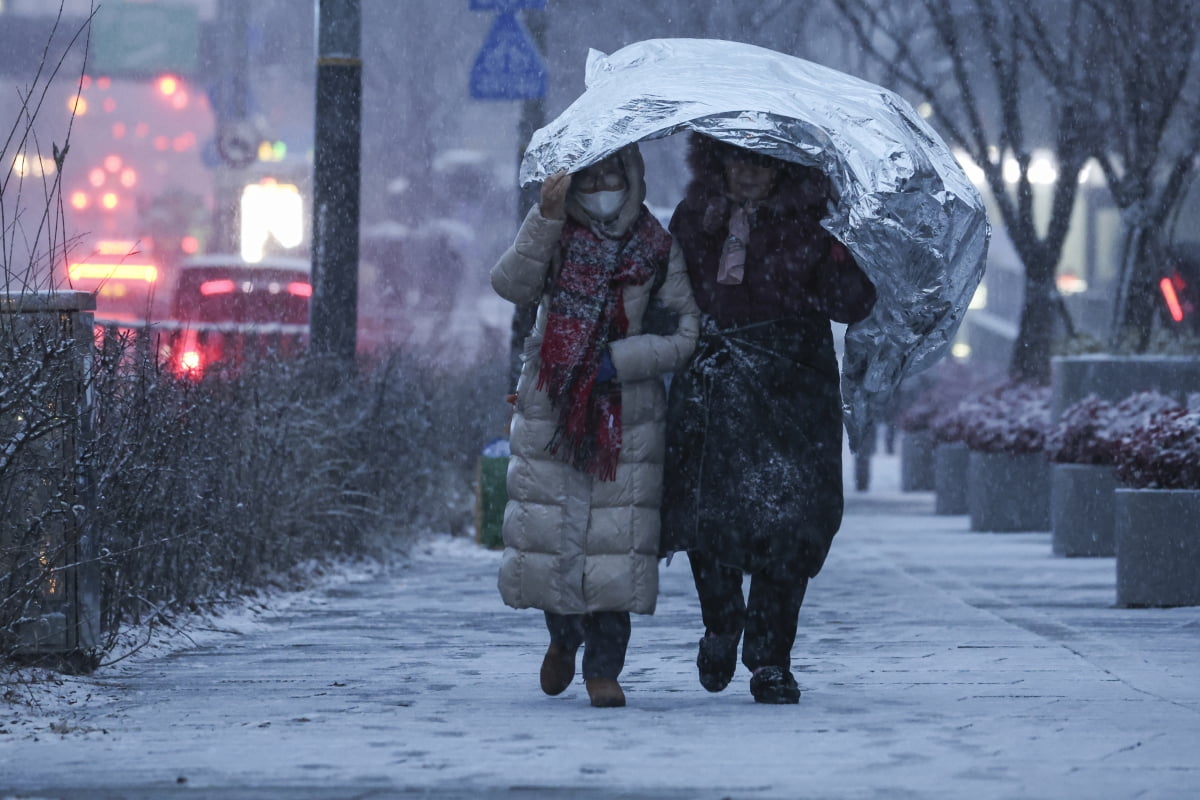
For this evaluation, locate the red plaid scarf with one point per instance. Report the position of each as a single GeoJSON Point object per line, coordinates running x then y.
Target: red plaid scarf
{"type": "Point", "coordinates": [587, 311]}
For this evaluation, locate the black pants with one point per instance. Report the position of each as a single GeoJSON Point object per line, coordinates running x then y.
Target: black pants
{"type": "Point", "coordinates": [603, 634]}
{"type": "Point", "coordinates": [769, 619]}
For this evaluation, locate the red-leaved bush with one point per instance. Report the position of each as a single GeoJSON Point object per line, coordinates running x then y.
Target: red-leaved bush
{"type": "Point", "coordinates": [950, 424]}
{"type": "Point", "coordinates": [932, 395]}
{"type": "Point", "coordinates": [1153, 441]}
{"type": "Point", "coordinates": [1012, 419]}
{"type": "Point", "coordinates": [1161, 453]}
{"type": "Point", "coordinates": [1079, 436]}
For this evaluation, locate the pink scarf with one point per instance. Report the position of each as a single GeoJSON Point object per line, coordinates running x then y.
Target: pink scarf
{"type": "Point", "coordinates": [732, 269]}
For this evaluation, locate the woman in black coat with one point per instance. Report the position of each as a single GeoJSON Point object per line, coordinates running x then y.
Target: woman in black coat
{"type": "Point", "coordinates": [753, 480]}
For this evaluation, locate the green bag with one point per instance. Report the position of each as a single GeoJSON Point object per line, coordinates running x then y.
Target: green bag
{"type": "Point", "coordinates": [491, 476]}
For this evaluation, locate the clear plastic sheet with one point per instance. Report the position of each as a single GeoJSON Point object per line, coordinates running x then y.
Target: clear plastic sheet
{"type": "Point", "coordinates": [904, 207]}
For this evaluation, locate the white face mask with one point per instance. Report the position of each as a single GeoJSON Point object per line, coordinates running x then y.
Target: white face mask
{"type": "Point", "coordinates": [602, 205]}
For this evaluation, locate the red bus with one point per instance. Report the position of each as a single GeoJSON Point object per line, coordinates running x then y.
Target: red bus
{"type": "Point", "coordinates": [227, 311]}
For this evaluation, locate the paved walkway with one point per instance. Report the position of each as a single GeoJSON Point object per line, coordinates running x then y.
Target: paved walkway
{"type": "Point", "coordinates": [935, 662]}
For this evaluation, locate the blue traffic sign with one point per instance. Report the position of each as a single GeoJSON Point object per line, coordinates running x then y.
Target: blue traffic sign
{"type": "Point", "coordinates": [509, 66]}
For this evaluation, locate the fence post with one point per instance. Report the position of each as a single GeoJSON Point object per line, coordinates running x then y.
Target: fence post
{"type": "Point", "coordinates": [49, 572]}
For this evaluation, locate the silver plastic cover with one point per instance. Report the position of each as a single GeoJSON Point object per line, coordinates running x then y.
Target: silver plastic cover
{"type": "Point", "coordinates": [904, 207]}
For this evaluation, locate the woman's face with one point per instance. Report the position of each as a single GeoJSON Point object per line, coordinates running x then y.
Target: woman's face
{"type": "Point", "coordinates": [749, 179]}
{"type": "Point", "coordinates": [606, 176]}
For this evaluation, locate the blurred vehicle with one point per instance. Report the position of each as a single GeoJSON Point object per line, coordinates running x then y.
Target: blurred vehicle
{"type": "Point", "coordinates": [125, 278]}
{"type": "Point", "coordinates": [227, 311]}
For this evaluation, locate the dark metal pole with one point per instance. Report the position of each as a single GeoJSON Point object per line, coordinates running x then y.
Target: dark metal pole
{"type": "Point", "coordinates": [533, 116]}
{"type": "Point", "coordinates": [237, 51]}
{"type": "Point", "coordinates": [533, 112]}
{"type": "Point", "coordinates": [336, 179]}
{"type": "Point", "coordinates": [232, 108]}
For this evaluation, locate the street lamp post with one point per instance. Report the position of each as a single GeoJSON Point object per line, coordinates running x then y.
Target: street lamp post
{"type": "Point", "coordinates": [336, 179]}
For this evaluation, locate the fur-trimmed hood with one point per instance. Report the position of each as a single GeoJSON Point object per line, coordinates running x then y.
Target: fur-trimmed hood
{"type": "Point", "coordinates": [797, 188]}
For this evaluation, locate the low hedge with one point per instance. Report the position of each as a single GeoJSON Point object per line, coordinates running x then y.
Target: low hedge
{"type": "Point", "coordinates": [208, 489]}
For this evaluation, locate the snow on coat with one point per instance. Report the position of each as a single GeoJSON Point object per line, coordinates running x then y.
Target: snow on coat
{"type": "Point", "coordinates": [575, 544]}
{"type": "Point", "coordinates": [754, 475]}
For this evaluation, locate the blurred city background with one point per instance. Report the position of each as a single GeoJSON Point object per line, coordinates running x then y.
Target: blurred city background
{"type": "Point", "coordinates": [191, 132]}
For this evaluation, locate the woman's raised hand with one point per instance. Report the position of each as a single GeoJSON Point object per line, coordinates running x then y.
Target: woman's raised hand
{"type": "Point", "coordinates": [554, 195]}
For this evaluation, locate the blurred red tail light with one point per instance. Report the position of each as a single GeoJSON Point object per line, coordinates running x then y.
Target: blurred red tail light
{"type": "Point", "coordinates": [190, 362]}
{"type": "Point", "coordinates": [209, 288]}
{"type": "Point", "coordinates": [1171, 298]}
{"type": "Point", "coordinates": [189, 357]}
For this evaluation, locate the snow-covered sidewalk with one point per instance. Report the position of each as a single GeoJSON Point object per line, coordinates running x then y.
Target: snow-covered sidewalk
{"type": "Point", "coordinates": [935, 662]}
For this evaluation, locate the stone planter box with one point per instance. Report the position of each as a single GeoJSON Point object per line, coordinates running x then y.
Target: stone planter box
{"type": "Point", "coordinates": [1113, 378]}
{"type": "Point", "coordinates": [1157, 535]}
{"type": "Point", "coordinates": [1081, 509]}
{"type": "Point", "coordinates": [950, 478]}
{"type": "Point", "coordinates": [916, 461]}
{"type": "Point", "coordinates": [1008, 492]}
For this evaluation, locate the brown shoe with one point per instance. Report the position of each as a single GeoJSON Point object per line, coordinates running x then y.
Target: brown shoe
{"type": "Point", "coordinates": [558, 669]}
{"type": "Point", "coordinates": [605, 693]}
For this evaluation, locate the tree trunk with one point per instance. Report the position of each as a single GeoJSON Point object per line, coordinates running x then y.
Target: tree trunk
{"type": "Point", "coordinates": [1030, 362]}
{"type": "Point", "coordinates": [1139, 309]}
{"type": "Point", "coordinates": [1133, 311]}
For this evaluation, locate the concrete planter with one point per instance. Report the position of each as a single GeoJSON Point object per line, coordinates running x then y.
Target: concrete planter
{"type": "Point", "coordinates": [1113, 378]}
{"type": "Point", "coordinates": [916, 461]}
{"type": "Point", "coordinates": [1081, 509]}
{"type": "Point", "coordinates": [1158, 547]}
{"type": "Point", "coordinates": [1008, 492]}
{"type": "Point", "coordinates": [950, 478]}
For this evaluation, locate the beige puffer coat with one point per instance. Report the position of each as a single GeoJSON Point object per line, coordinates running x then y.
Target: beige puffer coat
{"type": "Point", "coordinates": [575, 544]}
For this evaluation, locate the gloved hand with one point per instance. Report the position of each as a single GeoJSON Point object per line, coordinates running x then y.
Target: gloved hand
{"type": "Point", "coordinates": [553, 201]}
{"type": "Point", "coordinates": [606, 371]}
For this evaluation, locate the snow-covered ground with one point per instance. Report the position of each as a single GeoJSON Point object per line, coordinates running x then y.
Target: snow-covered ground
{"type": "Point", "coordinates": [935, 662]}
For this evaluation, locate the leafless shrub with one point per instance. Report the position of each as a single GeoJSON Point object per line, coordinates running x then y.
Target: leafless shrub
{"type": "Point", "coordinates": [203, 490]}
{"type": "Point", "coordinates": [189, 492]}
{"type": "Point", "coordinates": [213, 488]}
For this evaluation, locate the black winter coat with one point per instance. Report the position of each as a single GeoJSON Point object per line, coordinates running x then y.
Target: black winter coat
{"type": "Point", "coordinates": [753, 471]}
{"type": "Point", "coordinates": [754, 448]}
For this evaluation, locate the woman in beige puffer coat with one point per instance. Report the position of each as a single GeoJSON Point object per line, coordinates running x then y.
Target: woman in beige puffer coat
{"type": "Point", "coordinates": [581, 528]}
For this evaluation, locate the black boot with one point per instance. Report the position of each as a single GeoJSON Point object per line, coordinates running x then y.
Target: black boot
{"type": "Point", "coordinates": [717, 661]}
{"type": "Point", "coordinates": [774, 685]}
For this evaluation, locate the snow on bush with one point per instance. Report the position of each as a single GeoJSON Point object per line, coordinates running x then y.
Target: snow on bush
{"type": "Point", "coordinates": [207, 490]}
{"type": "Point", "coordinates": [950, 425]}
{"type": "Point", "coordinates": [929, 396]}
{"type": "Point", "coordinates": [1158, 449]}
{"type": "Point", "coordinates": [1013, 418]}
{"type": "Point", "coordinates": [1078, 438]}
{"type": "Point", "coordinates": [1152, 440]}
{"type": "Point", "coordinates": [1010, 418]}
